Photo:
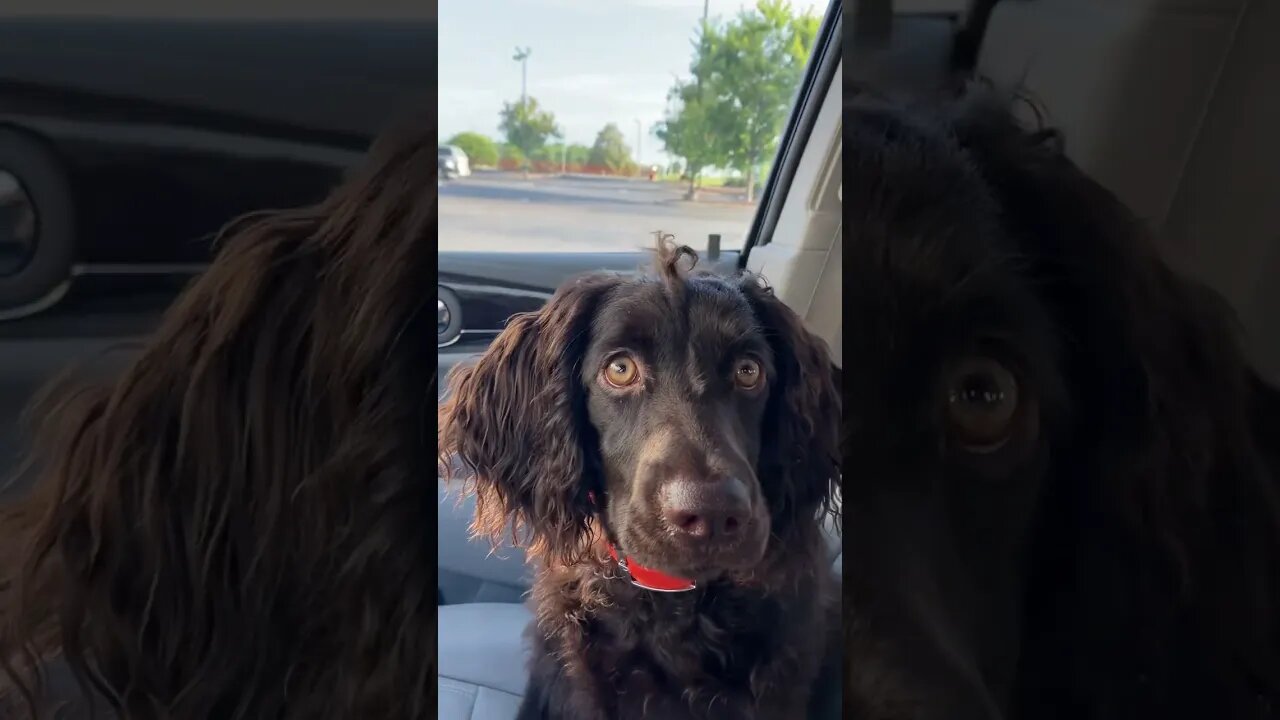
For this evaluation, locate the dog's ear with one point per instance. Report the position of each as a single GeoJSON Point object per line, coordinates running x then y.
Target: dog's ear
{"type": "Point", "coordinates": [801, 457]}
{"type": "Point", "coordinates": [1169, 493]}
{"type": "Point", "coordinates": [515, 424]}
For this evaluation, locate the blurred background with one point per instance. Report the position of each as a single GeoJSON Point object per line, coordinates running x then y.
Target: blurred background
{"type": "Point", "coordinates": [1171, 104]}
{"type": "Point", "coordinates": [129, 136]}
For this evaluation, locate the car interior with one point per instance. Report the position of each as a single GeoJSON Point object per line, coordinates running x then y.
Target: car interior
{"type": "Point", "coordinates": [1169, 103]}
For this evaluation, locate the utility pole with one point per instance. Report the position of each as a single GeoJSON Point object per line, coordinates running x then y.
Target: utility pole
{"type": "Point", "coordinates": [638, 135]}
{"type": "Point", "coordinates": [522, 57]}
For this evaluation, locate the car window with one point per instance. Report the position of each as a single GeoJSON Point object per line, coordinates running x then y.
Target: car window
{"type": "Point", "coordinates": [588, 126]}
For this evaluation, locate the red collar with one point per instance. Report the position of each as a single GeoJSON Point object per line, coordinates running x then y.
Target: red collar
{"type": "Point", "coordinates": [648, 578]}
{"type": "Point", "coordinates": [644, 577]}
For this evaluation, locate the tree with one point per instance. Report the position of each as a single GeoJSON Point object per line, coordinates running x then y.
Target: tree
{"type": "Point", "coordinates": [578, 154]}
{"type": "Point", "coordinates": [481, 150]}
{"type": "Point", "coordinates": [689, 132]}
{"type": "Point", "coordinates": [745, 74]}
{"type": "Point", "coordinates": [527, 127]}
{"type": "Point", "coordinates": [507, 151]}
{"type": "Point", "coordinates": [557, 153]}
{"type": "Point", "coordinates": [753, 67]}
{"type": "Point", "coordinates": [610, 150]}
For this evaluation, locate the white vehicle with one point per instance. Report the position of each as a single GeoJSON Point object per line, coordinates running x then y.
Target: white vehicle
{"type": "Point", "coordinates": [453, 162]}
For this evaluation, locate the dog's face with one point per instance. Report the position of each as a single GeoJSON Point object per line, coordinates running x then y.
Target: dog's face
{"type": "Point", "coordinates": [677, 385]}
{"type": "Point", "coordinates": [1031, 436]}
{"type": "Point", "coordinates": [953, 396]}
{"type": "Point", "coordinates": [690, 416]}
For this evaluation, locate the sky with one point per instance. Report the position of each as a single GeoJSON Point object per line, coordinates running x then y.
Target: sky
{"type": "Point", "coordinates": [592, 62]}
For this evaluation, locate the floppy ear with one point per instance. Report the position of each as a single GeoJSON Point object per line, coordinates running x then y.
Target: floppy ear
{"type": "Point", "coordinates": [1174, 509]}
{"type": "Point", "coordinates": [515, 421]}
{"type": "Point", "coordinates": [800, 463]}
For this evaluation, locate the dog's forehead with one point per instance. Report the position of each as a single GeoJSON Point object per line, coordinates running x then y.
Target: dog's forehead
{"type": "Point", "coordinates": [707, 309]}
{"type": "Point", "coordinates": [717, 308]}
{"type": "Point", "coordinates": [923, 222]}
{"type": "Point", "coordinates": [932, 262]}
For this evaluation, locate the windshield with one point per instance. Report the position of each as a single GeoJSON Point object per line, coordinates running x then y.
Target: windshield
{"type": "Point", "coordinates": [590, 125]}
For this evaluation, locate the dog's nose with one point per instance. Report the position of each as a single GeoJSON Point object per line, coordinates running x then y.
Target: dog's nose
{"type": "Point", "coordinates": [706, 509]}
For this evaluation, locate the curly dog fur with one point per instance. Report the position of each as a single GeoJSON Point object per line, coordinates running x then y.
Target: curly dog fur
{"type": "Point", "coordinates": [1112, 552]}
{"type": "Point", "coordinates": [233, 527]}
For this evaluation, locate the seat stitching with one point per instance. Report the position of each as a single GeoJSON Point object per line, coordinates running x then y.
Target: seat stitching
{"type": "Point", "coordinates": [482, 685]}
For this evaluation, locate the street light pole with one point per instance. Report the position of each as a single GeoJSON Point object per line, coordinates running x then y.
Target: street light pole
{"type": "Point", "coordinates": [702, 45]}
{"type": "Point", "coordinates": [522, 57]}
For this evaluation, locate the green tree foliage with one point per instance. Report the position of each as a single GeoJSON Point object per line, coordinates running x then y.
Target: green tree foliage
{"type": "Point", "coordinates": [527, 127]}
{"type": "Point", "coordinates": [745, 75]}
{"type": "Point", "coordinates": [482, 151]}
{"type": "Point", "coordinates": [507, 151]}
{"type": "Point", "coordinates": [556, 153]}
{"type": "Point", "coordinates": [754, 68]}
{"type": "Point", "coordinates": [690, 132]}
{"type": "Point", "coordinates": [550, 152]}
{"type": "Point", "coordinates": [579, 154]}
{"type": "Point", "coordinates": [610, 150]}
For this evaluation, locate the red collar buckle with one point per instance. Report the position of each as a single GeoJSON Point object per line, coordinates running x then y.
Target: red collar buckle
{"type": "Point", "coordinates": [648, 578]}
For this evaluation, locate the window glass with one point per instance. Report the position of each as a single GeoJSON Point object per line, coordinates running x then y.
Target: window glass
{"type": "Point", "coordinates": [580, 125]}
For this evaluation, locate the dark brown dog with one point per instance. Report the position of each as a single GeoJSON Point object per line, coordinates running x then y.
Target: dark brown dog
{"type": "Point", "coordinates": [1062, 488]}
{"type": "Point", "coordinates": [233, 527]}
{"type": "Point", "coordinates": [688, 425]}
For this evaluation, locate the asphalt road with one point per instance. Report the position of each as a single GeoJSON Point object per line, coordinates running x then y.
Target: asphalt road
{"type": "Point", "coordinates": [505, 212]}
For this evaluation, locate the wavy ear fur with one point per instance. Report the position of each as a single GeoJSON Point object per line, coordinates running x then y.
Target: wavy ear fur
{"type": "Point", "coordinates": [1166, 527]}
{"type": "Point", "coordinates": [801, 458]}
{"type": "Point", "coordinates": [515, 422]}
{"type": "Point", "coordinates": [232, 527]}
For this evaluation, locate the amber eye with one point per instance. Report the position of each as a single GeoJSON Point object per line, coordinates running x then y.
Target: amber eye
{"type": "Point", "coordinates": [747, 374]}
{"type": "Point", "coordinates": [621, 371]}
{"type": "Point", "coordinates": [982, 402]}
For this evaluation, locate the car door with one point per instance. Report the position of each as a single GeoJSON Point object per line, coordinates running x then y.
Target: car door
{"type": "Point", "coordinates": [523, 223]}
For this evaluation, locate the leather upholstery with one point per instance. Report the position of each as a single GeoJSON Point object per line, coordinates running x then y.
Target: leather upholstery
{"type": "Point", "coordinates": [483, 660]}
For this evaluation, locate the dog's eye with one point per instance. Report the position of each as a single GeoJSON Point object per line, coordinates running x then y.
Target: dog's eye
{"type": "Point", "coordinates": [982, 401]}
{"type": "Point", "coordinates": [746, 374]}
{"type": "Point", "coordinates": [621, 371]}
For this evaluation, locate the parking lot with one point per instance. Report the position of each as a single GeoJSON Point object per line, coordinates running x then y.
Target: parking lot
{"type": "Point", "coordinates": [494, 211]}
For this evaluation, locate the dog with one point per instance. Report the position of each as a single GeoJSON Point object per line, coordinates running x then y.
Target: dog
{"type": "Point", "coordinates": [666, 447]}
{"type": "Point", "coordinates": [232, 528]}
{"type": "Point", "coordinates": [1062, 496]}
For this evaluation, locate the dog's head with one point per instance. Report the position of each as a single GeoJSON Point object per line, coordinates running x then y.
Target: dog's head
{"type": "Point", "coordinates": [689, 416]}
{"type": "Point", "coordinates": [1054, 497]}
